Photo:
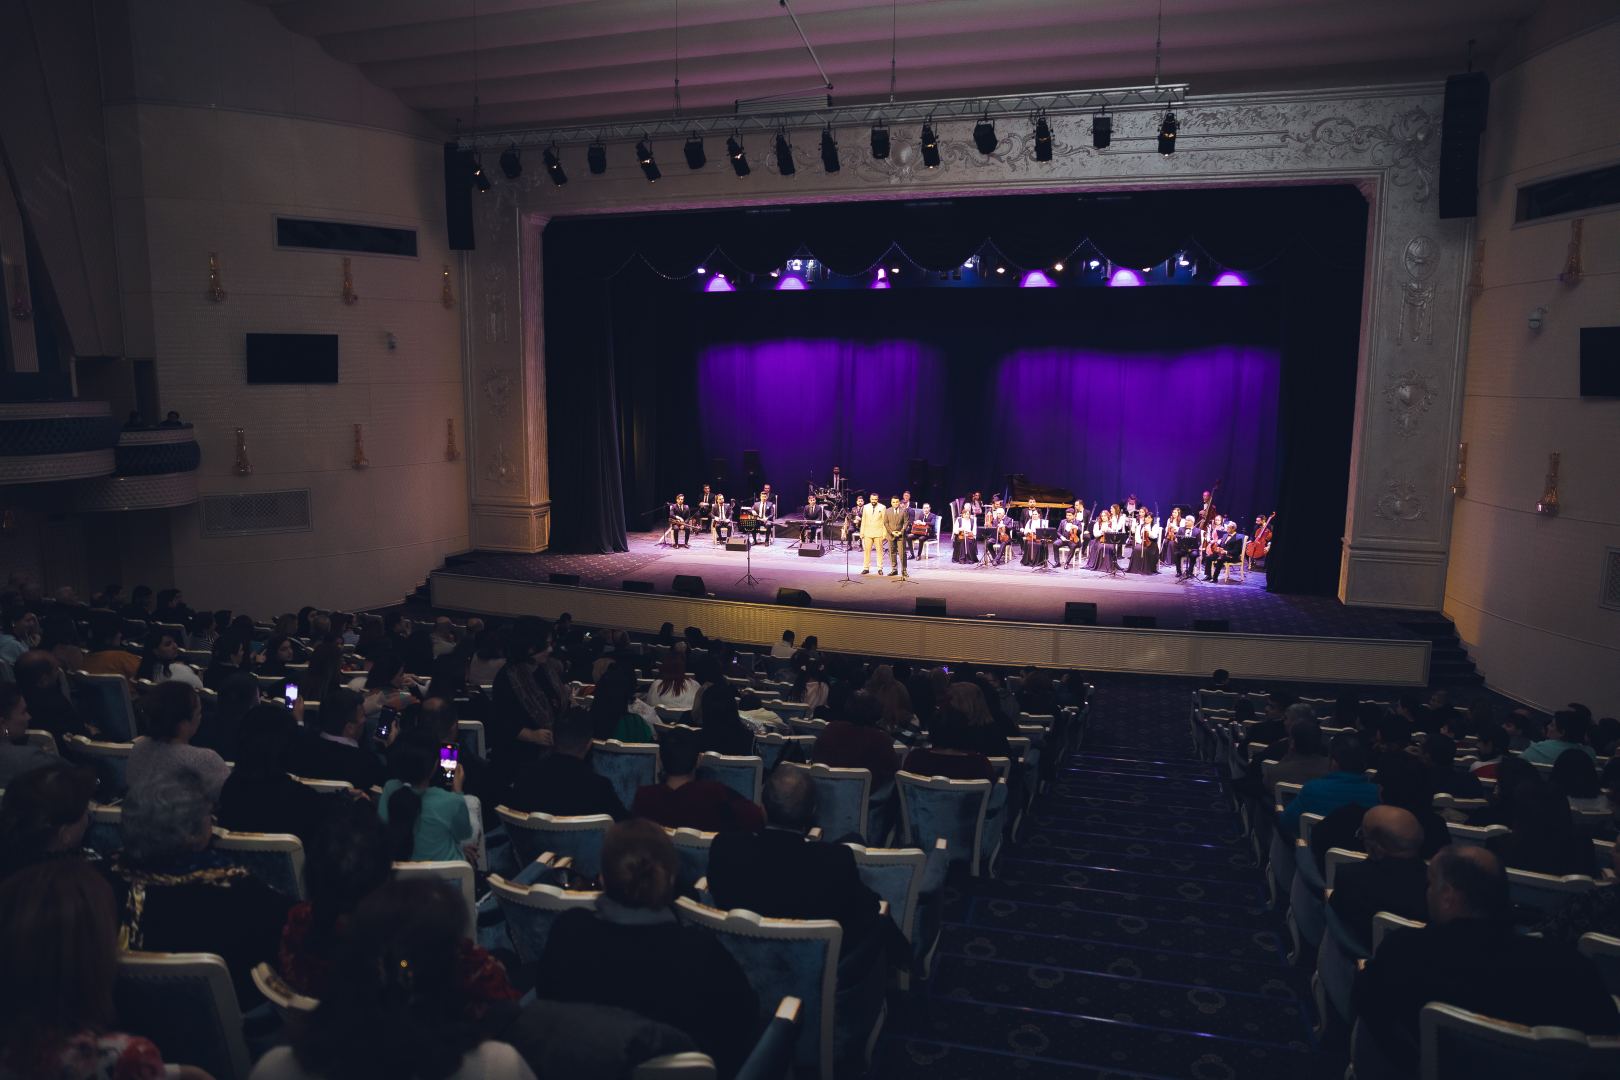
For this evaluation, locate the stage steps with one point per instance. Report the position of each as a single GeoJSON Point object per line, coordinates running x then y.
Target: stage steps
{"type": "Point", "coordinates": [1449, 663]}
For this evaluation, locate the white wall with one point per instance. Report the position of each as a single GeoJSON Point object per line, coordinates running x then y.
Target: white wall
{"type": "Point", "coordinates": [1522, 588]}
{"type": "Point", "coordinates": [230, 120]}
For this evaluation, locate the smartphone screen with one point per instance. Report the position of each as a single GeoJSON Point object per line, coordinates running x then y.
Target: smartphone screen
{"type": "Point", "coordinates": [292, 694]}
{"type": "Point", "coordinates": [447, 760]}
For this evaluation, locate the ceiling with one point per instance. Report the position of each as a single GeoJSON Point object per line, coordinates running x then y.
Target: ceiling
{"type": "Point", "coordinates": [546, 63]}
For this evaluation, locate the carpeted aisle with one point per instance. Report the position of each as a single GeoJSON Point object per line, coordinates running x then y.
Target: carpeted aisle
{"type": "Point", "coordinates": [1126, 934]}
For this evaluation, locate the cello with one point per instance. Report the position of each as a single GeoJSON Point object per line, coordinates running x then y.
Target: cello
{"type": "Point", "coordinates": [1260, 546]}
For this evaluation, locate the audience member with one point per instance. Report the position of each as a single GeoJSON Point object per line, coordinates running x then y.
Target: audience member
{"type": "Point", "coordinates": [1345, 784]}
{"type": "Point", "coordinates": [1592, 911]}
{"type": "Point", "coordinates": [17, 754]}
{"type": "Point", "coordinates": [139, 608]}
{"type": "Point", "coordinates": [613, 715]}
{"type": "Point", "coordinates": [941, 758]}
{"type": "Point", "coordinates": [19, 632]}
{"type": "Point", "coordinates": [395, 1003]}
{"type": "Point", "coordinates": [783, 650]}
{"type": "Point", "coordinates": [1576, 778]}
{"type": "Point", "coordinates": [336, 752]}
{"type": "Point", "coordinates": [526, 699]}
{"type": "Point", "coordinates": [673, 690]}
{"type": "Point", "coordinates": [811, 687]}
{"type": "Point", "coordinates": [633, 953]}
{"type": "Point", "coordinates": [1543, 836]}
{"type": "Point", "coordinates": [1306, 757]}
{"type": "Point", "coordinates": [856, 742]}
{"type": "Point", "coordinates": [230, 657]}
{"type": "Point", "coordinates": [1439, 755]}
{"type": "Point", "coordinates": [1469, 956]}
{"type": "Point", "coordinates": [173, 712]}
{"type": "Point", "coordinates": [279, 651]}
{"type": "Point", "coordinates": [759, 720]}
{"type": "Point", "coordinates": [44, 814]}
{"type": "Point", "coordinates": [259, 795]}
{"type": "Point", "coordinates": [177, 895]}
{"type": "Point", "coordinates": [1490, 744]}
{"type": "Point", "coordinates": [1393, 878]}
{"type": "Point", "coordinates": [59, 937]}
{"type": "Point", "coordinates": [684, 801]}
{"type": "Point", "coordinates": [723, 731]}
{"type": "Point", "coordinates": [387, 685]}
{"type": "Point", "coordinates": [973, 726]}
{"type": "Point", "coordinates": [425, 822]}
{"type": "Point", "coordinates": [1567, 731]}
{"type": "Point", "coordinates": [40, 680]}
{"type": "Point", "coordinates": [163, 663]}
{"type": "Point", "coordinates": [107, 654]}
{"type": "Point", "coordinates": [222, 730]}
{"type": "Point", "coordinates": [563, 782]}
{"type": "Point", "coordinates": [1401, 781]}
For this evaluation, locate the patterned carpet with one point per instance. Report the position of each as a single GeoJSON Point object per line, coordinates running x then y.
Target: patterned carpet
{"type": "Point", "coordinates": [1125, 936]}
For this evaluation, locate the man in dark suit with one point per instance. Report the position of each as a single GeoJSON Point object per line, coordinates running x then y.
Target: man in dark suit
{"type": "Point", "coordinates": [927, 516]}
{"type": "Point", "coordinates": [1469, 956]}
{"type": "Point", "coordinates": [335, 752]}
{"type": "Point", "coordinates": [780, 872]}
{"type": "Point", "coordinates": [896, 527]}
{"type": "Point", "coordinates": [815, 518]}
{"type": "Point", "coordinates": [563, 781]}
{"type": "Point", "coordinates": [1393, 879]}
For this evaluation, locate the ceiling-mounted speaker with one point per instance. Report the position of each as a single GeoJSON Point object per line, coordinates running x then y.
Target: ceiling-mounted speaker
{"type": "Point", "coordinates": [1467, 99]}
{"type": "Point", "coordinates": [458, 185]}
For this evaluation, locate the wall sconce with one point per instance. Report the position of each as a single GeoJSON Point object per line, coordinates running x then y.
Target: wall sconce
{"type": "Point", "coordinates": [1476, 276]}
{"type": "Point", "coordinates": [1549, 498]}
{"type": "Point", "coordinates": [360, 461]}
{"type": "Point", "coordinates": [349, 295]}
{"type": "Point", "coordinates": [1537, 317]}
{"type": "Point", "coordinates": [243, 466]}
{"type": "Point", "coordinates": [391, 341]}
{"type": "Point", "coordinates": [1459, 486]}
{"type": "Point", "coordinates": [216, 291]}
{"type": "Point", "coordinates": [1571, 274]}
{"type": "Point", "coordinates": [446, 296]}
{"type": "Point", "coordinates": [450, 451]}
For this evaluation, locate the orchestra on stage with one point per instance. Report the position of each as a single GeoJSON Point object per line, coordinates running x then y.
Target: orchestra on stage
{"type": "Point", "coordinates": [1040, 529]}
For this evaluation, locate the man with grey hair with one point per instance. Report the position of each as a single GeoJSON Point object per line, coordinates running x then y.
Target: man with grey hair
{"type": "Point", "coordinates": [1305, 757]}
{"type": "Point", "coordinates": [176, 894]}
{"type": "Point", "coordinates": [1393, 878]}
{"type": "Point", "coordinates": [1470, 957]}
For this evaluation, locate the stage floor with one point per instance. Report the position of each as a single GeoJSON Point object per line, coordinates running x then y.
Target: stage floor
{"type": "Point", "coordinates": [1005, 592]}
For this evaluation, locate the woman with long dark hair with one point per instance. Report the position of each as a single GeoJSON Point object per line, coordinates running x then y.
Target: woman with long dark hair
{"type": "Point", "coordinates": [44, 814]}
{"type": "Point", "coordinates": [425, 823]}
{"type": "Point", "coordinates": [163, 664]}
{"type": "Point", "coordinates": [611, 715]}
{"type": "Point", "coordinates": [674, 689]}
{"type": "Point", "coordinates": [723, 729]}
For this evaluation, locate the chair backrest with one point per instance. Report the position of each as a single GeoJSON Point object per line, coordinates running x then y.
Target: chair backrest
{"type": "Point", "coordinates": [772, 748]}
{"type": "Point", "coordinates": [579, 838]}
{"type": "Point", "coordinates": [40, 738]}
{"type": "Point", "coordinates": [841, 798]}
{"type": "Point", "coordinates": [895, 874]}
{"type": "Point", "coordinates": [288, 1003]}
{"type": "Point", "coordinates": [1385, 921]}
{"type": "Point", "coordinates": [1455, 1042]}
{"type": "Point", "coordinates": [1286, 792]}
{"type": "Point", "coordinates": [531, 910]}
{"type": "Point", "coordinates": [1002, 766]}
{"type": "Point", "coordinates": [686, 1065]}
{"type": "Point", "coordinates": [1602, 855]}
{"type": "Point", "coordinates": [1339, 857]}
{"type": "Point", "coordinates": [1547, 892]}
{"type": "Point", "coordinates": [110, 760]}
{"type": "Point", "coordinates": [1307, 824]}
{"type": "Point", "coordinates": [1474, 835]}
{"type": "Point", "coordinates": [454, 871]}
{"type": "Point", "coordinates": [186, 1004]}
{"type": "Point", "coordinates": [692, 845]}
{"type": "Point", "coordinates": [1604, 951]}
{"type": "Point", "coordinates": [104, 701]}
{"type": "Point", "coordinates": [783, 958]}
{"type": "Point", "coordinates": [743, 774]}
{"type": "Point", "coordinates": [106, 832]}
{"type": "Point", "coordinates": [470, 734]}
{"type": "Point", "coordinates": [325, 787]}
{"type": "Point", "coordinates": [277, 859]}
{"type": "Point", "coordinates": [627, 766]}
{"type": "Point", "coordinates": [932, 807]}
{"type": "Point", "coordinates": [806, 725]}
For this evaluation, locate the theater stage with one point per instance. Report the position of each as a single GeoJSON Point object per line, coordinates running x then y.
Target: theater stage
{"type": "Point", "coordinates": [994, 615]}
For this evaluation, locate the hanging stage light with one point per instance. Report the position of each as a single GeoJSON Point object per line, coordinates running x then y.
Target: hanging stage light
{"type": "Point", "coordinates": [553, 166]}
{"type": "Point", "coordinates": [1043, 138]}
{"type": "Point", "coordinates": [930, 147]}
{"type": "Point", "coordinates": [1167, 133]}
{"type": "Point", "coordinates": [784, 154]}
{"type": "Point", "coordinates": [596, 158]}
{"type": "Point", "coordinates": [829, 151]}
{"type": "Point", "coordinates": [739, 158]}
{"type": "Point", "coordinates": [984, 136]}
{"type": "Point", "coordinates": [480, 181]}
{"type": "Point", "coordinates": [1102, 131]}
{"type": "Point", "coordinates": [695, 157]}
{"type": "Point", "coordinates": [644, 155]}
{"type": "Point", "coordinates": [511, 162]}
{"type": "Point", "coordinates": [880, 142]}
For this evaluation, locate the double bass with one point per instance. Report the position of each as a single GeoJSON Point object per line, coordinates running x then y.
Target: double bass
{"type": "Point", "coordinates": [1260, 546]}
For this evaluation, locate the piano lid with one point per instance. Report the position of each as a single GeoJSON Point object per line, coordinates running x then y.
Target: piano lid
{"type": "Point", "coordinates": [1020, 490]}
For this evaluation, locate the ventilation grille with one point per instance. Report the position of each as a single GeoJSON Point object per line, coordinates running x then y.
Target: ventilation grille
{"type": "Point", "coordinates": [1610, 597]}
{"type": "Point", "coordinates": [256, 512]}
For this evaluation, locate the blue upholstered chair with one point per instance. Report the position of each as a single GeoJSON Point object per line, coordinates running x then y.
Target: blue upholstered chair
{"type": "Point", "coordinates": [744, 775]}
{"type": "Point", "coordinates": [186, 1004]}
{"type": "Point", "coordinates": [903, 877]}
{"type": "Point", "coordinates": [773, 748]}
{"type": "Point", "coordinates": [784, 958]}
{"type": "Point", "coordinates": [1604, 951]}
{"type": "Point", "coordinates": [842, 797]}
{"type": "Point", "coordinates": [1456, 1042]}
{"type": "Point", "coordinates": [627, 766]}
{"type": "Point", "coordinates": [106, 832]}
{"type": "Point", "coordinates": [470, 734]}
{"type": "Point", "coordinates": [1305, 894]}
{"type": "Point", "coordinates": [579, 838]}
{"type": "Point", "coordinates": [103, 700]}
{"type": "Point", "coordinates": [109, 760]}
{"type": "Point", "coordinates": [277, 859]}
{"type": "Point", "coordinates": [966, 813]}
{"type": "Point", "coordinates": [456, 873]}
{"type": "Point", "coordinates": [532, 910]}
{"type": "Point", "coordinates": [1546, 893]}
{"type": "Point", "coordinates": [692, 846]}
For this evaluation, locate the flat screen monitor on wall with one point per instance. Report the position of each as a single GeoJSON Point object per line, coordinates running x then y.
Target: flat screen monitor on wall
{"type": "Point", "coordinates": [292, 358]}
{"type": "Point", "coordinates": [1600, 361]}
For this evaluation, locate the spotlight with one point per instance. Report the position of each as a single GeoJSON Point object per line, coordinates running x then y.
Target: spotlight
{"type": "Point", "coordinates": [1167, 133]}
{"type": "Point", "coordinates": [511, 163]}
{"type": "Point", "coordinates": [553, 166]}
{"type": "Point", "coordinates": [596, 158]}
{"type": "Point", "coordinates": [695, 157]}
{"type": "Point", "coordinates": [880, 142]}
{"type": "Point", "coordinates": [784, 155]}
{"type": "Point", "coordinates": [1043, 138]}
{"type": "Point", "coordinates": [894, 269]}
{"type": "Point", "coordinates": [1102, 131]}
{"type": "Point", "coordinates": [829, 151]}
{"type": "Point", "coordinates": [930, 147]}
{"type": "Point", "coordinates": [644, 155]}
{"type": "Point", "coordinates": [1058, 267]}
{"type": "Point", "coordinates": [1001, 269]}
{"type": "Point", "coordinates": [739, 159]}
{"type": "Point", "coordinates": [479, 179]}
{"type": "Point", "coordinates": [984, 136]}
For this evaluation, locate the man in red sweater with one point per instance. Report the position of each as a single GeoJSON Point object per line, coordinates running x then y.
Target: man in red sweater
{"type": "Point", "coordinates": [684, 801]}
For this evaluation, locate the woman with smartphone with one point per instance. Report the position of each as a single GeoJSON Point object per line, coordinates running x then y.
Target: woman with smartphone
{"type": "Point", "coordinates": [425, 822]}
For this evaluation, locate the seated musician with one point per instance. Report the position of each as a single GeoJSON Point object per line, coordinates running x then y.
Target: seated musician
{"type": "Point", "coordinates": [765, 510]}
{"type": "Point", "coordinates": [680, 521]}
{"type": "Point", "coordinates": [1224, 546]}
{"type": "Point", "coordinates": [1187, 542]}
{"type": "Point", "coordinates": [964, 537]}
{"type": "Point", "coordinates": [924, 527]}
{"type": "Point", "coordinates": [815, 519]}
{"type": "Point", "coordinates": [1080, 519]}
{"type": "Point", "coordinates": [1068, 539]}
{"type": "Point", "coordinates": [705, 509]}
{"type": "Point", "coordinates": [995, 544]}
{"type": "Point", "coordinates": [722, 519]}
{"type": "Point", "coordinates": [1034, 546]}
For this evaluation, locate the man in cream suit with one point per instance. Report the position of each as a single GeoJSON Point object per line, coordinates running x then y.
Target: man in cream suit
{"type": "Point", "coordinates": [896, 525]}
{"type": "Point", "coordinates": [873, 533]}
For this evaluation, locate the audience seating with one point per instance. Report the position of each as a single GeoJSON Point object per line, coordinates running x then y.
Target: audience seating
{"type": "Point", "coordinates": [842, 796]}
{"type": "Point", "coordinates": [1604, 951]}
{"type": "Point", "coordinates": [627, 766]}
{"type": "Point", "coordinates": [277, 859]}
{"type": "Point", "coordinates": [1455, 1042]}
{"type": "Point", "coordinates": [531, 910]}
{"type": "Point", "coordinates": [452, 871]}
{"type": "Point", "coordinates": [1305, 894]}
{"type": "Point", "coordinates": [744, 775]}
{"type": "Point", "coordinates": [325, 787]}
{"type": "Point", "coordinates": [289, 1004]}
{"type": "Point", "coordinates": [104, 701]}
{"type": "Point", "coordinates": [185, 1003]}
{"type": "Point", "coordinates": [959, 811]}
{"type": "Point", "coordinates": [106, 832]}
{"type": "Point", "coordinates": [42, 739]}
{"type": "Point", "coordinates": [773, 748]}
{"type": "Point", "coordinates": [470, 736]}
{"type": "Point", "coordinates": [579, 838]}
{"type": "Point", "coordinates": [1335, 975]}
{"type": "Point", "coordinates": [908, 879]}
{"type": "Point", "coordinates": [110, 761]}
{"type": "Point", "coordinates": [1547, 893]}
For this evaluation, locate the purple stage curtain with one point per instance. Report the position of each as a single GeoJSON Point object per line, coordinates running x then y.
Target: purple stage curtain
{"type": "Point", "coordinates": [1162, 425]}
{"type": "Point", "coordinates": [807, 405]}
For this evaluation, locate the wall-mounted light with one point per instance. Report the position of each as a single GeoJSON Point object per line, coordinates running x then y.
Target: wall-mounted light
{"type": "Point", "coordinates": [360, 460]}
{"type": "Point", "coordinates": [1549, 496]}
{"type": "Point", "coordinates": [216, 290]}
{"type": "Point", "coordinates": [1459, 486]}
{"type": "Point", "coordinates": [243, 466]}
{"type": "Point", "coordinates": [447, 296]}
{"type": "Point", "coordinates": [450, 451]}
{"type": "Point", "coordinates": [1537, 317]}
{"type": "Point", "coordinates": [350, 297]}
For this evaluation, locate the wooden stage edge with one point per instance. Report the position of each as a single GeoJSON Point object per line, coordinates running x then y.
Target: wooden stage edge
{"type": "Point", "coordinates": [971, 641]}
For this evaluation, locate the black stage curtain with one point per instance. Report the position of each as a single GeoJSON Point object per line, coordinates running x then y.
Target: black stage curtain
{"type": "Point", "coordinates": [624, 323]}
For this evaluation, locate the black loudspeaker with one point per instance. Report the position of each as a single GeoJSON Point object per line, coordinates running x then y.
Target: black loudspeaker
{"type": "Point", "coordinates": [1076, 613]}
{"type": "Point", "coordinates": [458, 185]}
{"type": "Point", "coordinates": [1467, 97]}
{"type": "Point", "coordinates": [751, 461]}
{"type": "Point", "coordinates": [1212, 626]}
{"type": "Point", "coordinates": [562, 579]}
{"type": "Point", "coordinates": [811, 552]}
{"type": "Point", "coordinates": [736, 544]}
{"type": "Point", "coordinates": [636, 586]}
{"type": "Point", "coordinates": [1139, 622]}
{"type": "Point", "coordinates": [792, 597]}
{"type": "Point", "coordinates": [688, 585]}
{"type": "Point", "coordinates": [930, 605]}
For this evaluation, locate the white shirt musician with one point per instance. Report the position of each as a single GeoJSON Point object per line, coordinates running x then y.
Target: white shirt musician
{"type": "Point", "coordinates": [964, 536]}
{"type": "Point", "coordinates": [873, 533]}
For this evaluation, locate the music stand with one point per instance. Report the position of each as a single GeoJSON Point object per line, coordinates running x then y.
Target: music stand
{"type": "Point", "coordinates": [1047, 565]}
{"type": "Point", "coordinates": [748, 575]}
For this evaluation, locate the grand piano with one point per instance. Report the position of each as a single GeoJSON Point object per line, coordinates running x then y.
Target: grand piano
{"type": "Point", "coordinates": [1019, 491]}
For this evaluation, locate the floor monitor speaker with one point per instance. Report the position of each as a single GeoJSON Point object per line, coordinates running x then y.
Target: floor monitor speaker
{"type": "Point", "coordinates": [737, 544]}
{"type": "Point", "coordinates": [1212, 626]}
{"type": "Point", "coordinates": [562, 579]}
{"type": "Point", "coordinates": [930, 605]}
{"type": "Point", "coordinates": [1078, 613]}
{"type": "Point", "coordinates": [1139, 622]}
{"type": "Point", "coordinates": [688, 585]}
{"type": "Point", "coordinates": [811, 552]}
{"type": "Point", "coordinates": [636, 586]}
{"type": "Point", "coordinates": [792, 597]}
